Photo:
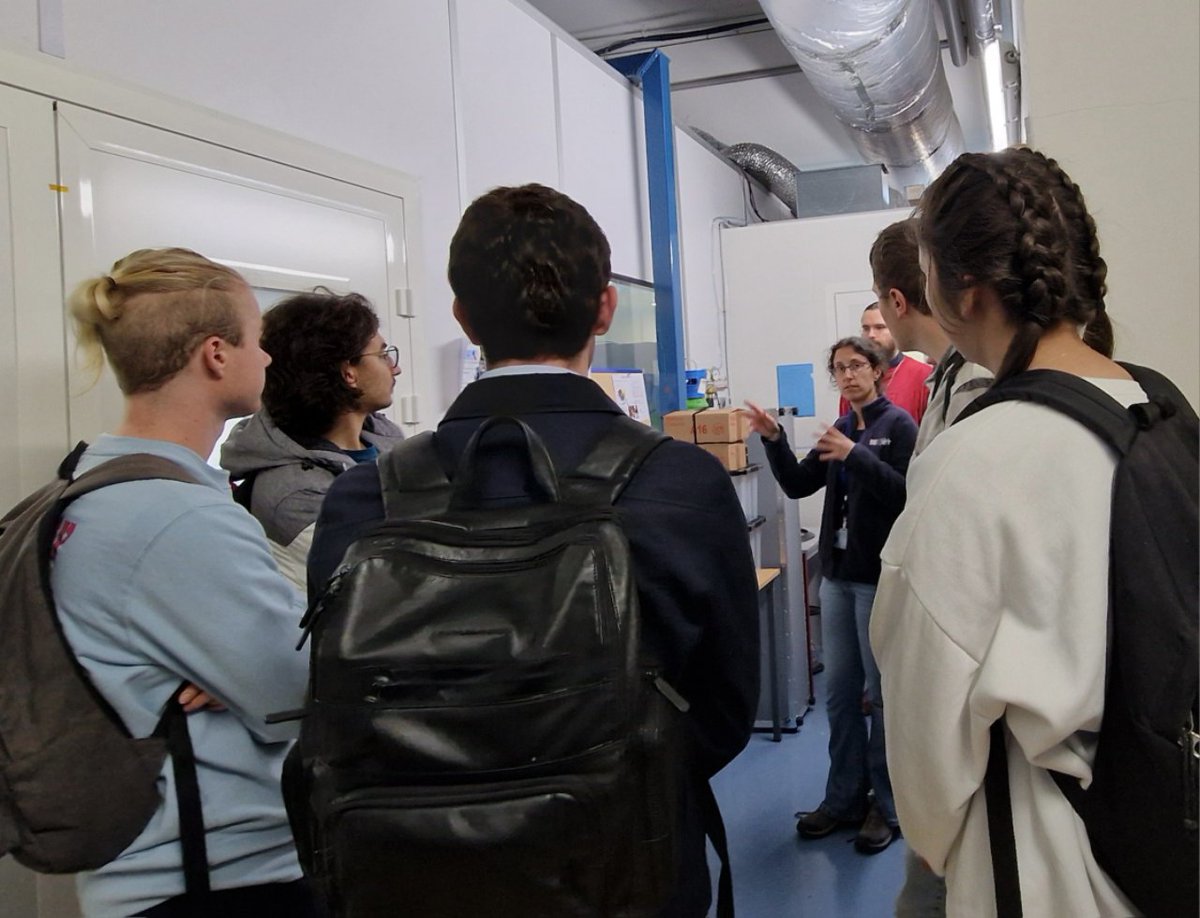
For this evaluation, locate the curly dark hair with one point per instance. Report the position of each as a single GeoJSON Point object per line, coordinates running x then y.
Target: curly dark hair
{"type": "Point", "coordinates": [1016, 222]}
{"type": "Point", "coordinates": [528, 265]}
{"type": "Point", "coordinates": [309, 336]}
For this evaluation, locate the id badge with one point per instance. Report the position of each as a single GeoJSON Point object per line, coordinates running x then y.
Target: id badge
{"type": "Point", "coordinates": [839, 539]}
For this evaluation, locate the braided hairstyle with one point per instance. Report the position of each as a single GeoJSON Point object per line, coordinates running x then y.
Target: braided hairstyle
{"type": "Point", "coordinates": [1014, 221]}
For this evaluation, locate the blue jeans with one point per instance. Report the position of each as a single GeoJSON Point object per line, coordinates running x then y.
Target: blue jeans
{"type": "Point", "coordinates": [857, 758]}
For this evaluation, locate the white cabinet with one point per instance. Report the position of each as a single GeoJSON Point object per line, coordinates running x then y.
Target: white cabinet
{"type": "Point", "coordinates": [130, 186]}
{"type": "Point", "coordinates": [32, 366]}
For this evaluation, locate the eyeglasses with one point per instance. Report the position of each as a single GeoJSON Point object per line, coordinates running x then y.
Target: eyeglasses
{"type": "Point", "coordinates": [855, 366]}
{"type": "Point", "coordinates": [391, 354]}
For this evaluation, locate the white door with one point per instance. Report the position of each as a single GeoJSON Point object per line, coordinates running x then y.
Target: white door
{"type": "Point", "coordinates": [32, 383]}
{"type": "Point", "coordinates": [285, 229]}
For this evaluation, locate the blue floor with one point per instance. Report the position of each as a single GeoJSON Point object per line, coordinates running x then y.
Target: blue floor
{"type": "Point", "coordinates": [776, 873]}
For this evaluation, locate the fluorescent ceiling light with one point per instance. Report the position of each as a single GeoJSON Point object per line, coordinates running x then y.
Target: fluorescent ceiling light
{"type": "Point", "coordinates": [993, 91]}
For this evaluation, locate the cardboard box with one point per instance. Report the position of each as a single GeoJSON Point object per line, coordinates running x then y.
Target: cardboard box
{"type": "Point", "coordinates": [732, 455]}
{"type": "Point", "coordinates": [681, 424]}
{"type": "Point", "coordinates": [722, 425]}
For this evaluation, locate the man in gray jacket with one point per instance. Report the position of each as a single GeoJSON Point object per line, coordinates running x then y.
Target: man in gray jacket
{"type": "Point", "coordinates": [330, 372]}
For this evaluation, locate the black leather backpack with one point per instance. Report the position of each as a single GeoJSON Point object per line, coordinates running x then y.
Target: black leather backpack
{"type": "Point", "coordinates": [485, 733]}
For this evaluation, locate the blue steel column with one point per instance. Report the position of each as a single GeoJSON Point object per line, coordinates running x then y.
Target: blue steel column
{"type": "Point", "coordinates": [651, 71]}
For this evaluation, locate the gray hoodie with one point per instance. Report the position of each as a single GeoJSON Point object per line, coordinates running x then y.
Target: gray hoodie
{"type": "Point", "coordinates": [290, 481]}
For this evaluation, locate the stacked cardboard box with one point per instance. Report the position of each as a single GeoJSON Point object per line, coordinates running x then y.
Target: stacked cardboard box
{"type": "Point", "coordinates": [720, 431]}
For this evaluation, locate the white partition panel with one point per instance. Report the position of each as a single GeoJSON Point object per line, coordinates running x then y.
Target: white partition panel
{"type": "Point", "coordinates": [604, 156]}
{"type": "Point", "coordinates": [504, 88]}
{"type": "Point", "coordinates": [714, 196]}
{"type": "Point", "coordinates": [790, 288]}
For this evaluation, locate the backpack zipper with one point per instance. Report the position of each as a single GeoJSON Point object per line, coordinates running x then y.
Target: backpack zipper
{"type": "Point", "coordinates": [1189, 743]}
{"type": "Point", "coordinates": [314, 611]}
{"type": "Point", "coordinates": [669, 692]}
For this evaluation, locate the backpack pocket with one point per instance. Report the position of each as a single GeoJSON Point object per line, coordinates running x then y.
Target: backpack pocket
{"type": "Point", "coordinates": [523, 848]}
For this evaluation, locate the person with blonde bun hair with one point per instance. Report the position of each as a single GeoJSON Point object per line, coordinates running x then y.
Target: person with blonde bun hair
{"type": "Point", "coordinates": [163, 582]}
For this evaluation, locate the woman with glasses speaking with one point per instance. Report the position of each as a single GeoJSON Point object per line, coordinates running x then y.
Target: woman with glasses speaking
{"type": "Point", "coordinates": [330, 372]}
{"type": "Point", "coordinates": [860, 461]}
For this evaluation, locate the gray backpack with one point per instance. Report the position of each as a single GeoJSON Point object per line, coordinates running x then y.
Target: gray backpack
{"type": "Point", "coordinates": [75, 788]}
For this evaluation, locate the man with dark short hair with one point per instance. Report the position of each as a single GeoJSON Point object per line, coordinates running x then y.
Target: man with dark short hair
{"type": "Point", "coordinates": [900, 286]}
{"type": "Point", "coordinates": [530, 272]}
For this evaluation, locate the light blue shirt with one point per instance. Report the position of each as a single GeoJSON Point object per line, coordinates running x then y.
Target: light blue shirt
{"type": "Point", "coordinates": [162, 581]}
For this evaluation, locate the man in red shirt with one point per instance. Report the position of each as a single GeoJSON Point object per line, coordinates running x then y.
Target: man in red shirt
{"type": "Point", "coordinates": [904, 381]}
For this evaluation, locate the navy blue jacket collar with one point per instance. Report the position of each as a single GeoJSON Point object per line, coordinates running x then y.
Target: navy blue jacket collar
{"type": "Point", "coordinates": [534, 393]}
{"type": "Point", "coordinates": [871, 412]}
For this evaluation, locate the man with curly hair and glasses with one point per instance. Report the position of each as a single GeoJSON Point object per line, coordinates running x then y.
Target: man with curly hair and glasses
{"type": "Point", "coordinates": [331, 372]}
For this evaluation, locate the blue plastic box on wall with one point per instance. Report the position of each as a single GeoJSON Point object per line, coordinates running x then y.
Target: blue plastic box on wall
{"type": "Point", "coordinates": [795, 384]}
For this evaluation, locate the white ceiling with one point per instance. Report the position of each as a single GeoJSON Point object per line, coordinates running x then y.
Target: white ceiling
{"type": "Point", "coordinates": [760, 104]}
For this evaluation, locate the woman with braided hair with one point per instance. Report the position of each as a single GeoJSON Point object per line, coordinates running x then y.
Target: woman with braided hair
{"type": "Point", "coordinates": [993, 598]}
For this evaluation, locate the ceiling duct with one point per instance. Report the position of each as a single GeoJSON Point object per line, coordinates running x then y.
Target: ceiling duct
{"type": "Point", "coordinates": [878, 63]}
{"type": "Point", "coordinates": [772, 170]}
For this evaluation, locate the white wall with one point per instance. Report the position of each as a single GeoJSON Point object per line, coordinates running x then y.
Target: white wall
{"type": "Point", "coordinates": [709, 199]}
{"type": "Point", "coordinates": [602, 144]}
{"type": "Point", "coordinates": [462, 95]}
{"type": "Point", "coordinates": [1112, 91]}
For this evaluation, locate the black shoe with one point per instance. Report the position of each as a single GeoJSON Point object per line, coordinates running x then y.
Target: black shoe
{"type": "Point", "coordinates": [819, 823]}
{"type": "Point", "coordinates": [875, 834]}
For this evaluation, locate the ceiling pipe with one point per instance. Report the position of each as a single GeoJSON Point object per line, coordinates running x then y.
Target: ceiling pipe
{"type": "Point", "coordinates": [878, 63]}
{"type": "Point", "coordinates": [956, 33]}
{"type": "Point", "coordinates": [982, 24]}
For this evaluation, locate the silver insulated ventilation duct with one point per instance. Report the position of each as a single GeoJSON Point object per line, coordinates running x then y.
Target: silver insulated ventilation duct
{"type": "Point", "coordinates": [877, 62]}
{"type": "Point", "coordinates": [772, 169]}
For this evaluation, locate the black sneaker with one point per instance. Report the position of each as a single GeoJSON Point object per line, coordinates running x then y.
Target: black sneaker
{"type": "Point", "coordinates": [875, 834]}
{"type": "Point", "coordinates": [819, 823]}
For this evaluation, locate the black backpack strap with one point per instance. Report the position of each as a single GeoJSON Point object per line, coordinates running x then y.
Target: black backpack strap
{"type": "Point", "coordinates": [1090, 405]}
{"type": "Point", "coordinates": [615, 458]}
{"type": "Point", "coordinates": [414, 481]}
{"type": "Point", "coordinates": [947, 375]}
{"type": "Point", "coordinates": [412, 478]}
{"type": "Point", "coordinates": [174, 729]}
{"type": "Point", "coordinates": [1005, 874]}
{"type": "Point", "coordinates": [243, 491]}
{"type": "Point", "coordinates": [714, 828]}
{"type": "Point", "coordinates": [66, 468]}
{"type": "Point", "coordinates": [1073, 396]}
{"type": "Point", "coordinates": [134, 467]}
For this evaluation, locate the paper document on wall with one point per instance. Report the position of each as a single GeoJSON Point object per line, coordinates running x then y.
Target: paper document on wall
{"type": "Point", "coordinates": [628, 389]}
{"type": "Point", "coordinates": [470, 364]}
